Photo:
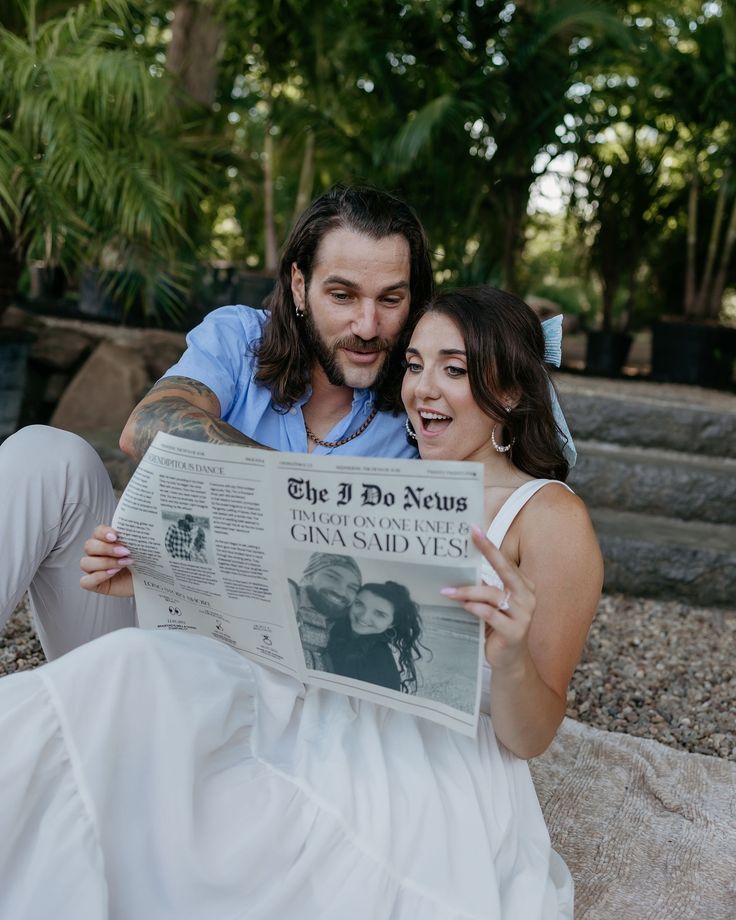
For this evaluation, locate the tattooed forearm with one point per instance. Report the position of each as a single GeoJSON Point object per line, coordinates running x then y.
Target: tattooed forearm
{"type": "Point", "coordinates": [195, 387]}
{"type": "Point", "coordinates": [176, 415]}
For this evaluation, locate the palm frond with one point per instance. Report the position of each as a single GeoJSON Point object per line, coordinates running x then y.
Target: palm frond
{"type": "Point", "coordinates": [416, 135]}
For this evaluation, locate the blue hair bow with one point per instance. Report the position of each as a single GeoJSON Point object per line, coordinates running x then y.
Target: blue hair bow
{"type": "Point", "coordinates": [552, 331]}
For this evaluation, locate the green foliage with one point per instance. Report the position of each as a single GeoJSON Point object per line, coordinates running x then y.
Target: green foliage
{"type": "Point", "coordinates": [458, 106]}
{"type": "Point", "coordinates": [96, 164]}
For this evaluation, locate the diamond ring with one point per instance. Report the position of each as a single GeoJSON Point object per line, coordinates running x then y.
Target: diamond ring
{"type": "Point", "coordinates": [504, 605]}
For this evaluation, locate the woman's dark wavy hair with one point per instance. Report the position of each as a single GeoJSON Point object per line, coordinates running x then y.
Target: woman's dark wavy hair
{"type": "Point", "coordinates": [284, 358]}
{"type": "Point", "coordinates": [405, 631]}
{"type": "Point", "coordinates": [504, 344]}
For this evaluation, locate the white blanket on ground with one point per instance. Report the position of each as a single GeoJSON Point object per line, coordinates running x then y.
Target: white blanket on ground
{"type": "Point", "coordinates": [647, 832]}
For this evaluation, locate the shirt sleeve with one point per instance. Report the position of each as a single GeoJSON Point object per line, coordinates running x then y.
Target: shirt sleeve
{"type": "Point", "coordinates": [219, 352]}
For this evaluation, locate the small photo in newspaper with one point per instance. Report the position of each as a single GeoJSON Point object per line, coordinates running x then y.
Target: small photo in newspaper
{"type": "Point", "coordinates": [385, 624]}
{"type": "Point", "coordinates": [186, 536]}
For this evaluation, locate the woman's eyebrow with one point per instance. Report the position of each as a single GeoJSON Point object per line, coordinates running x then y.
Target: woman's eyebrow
{"type": "Point", "coordinates": [442, 351]}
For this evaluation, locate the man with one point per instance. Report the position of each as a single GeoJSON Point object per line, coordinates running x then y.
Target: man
{"type": "Point", "coordinates": [329, 585]}
{"type": "Point", "coordinates": [319, 372]}
{"type": "Point", "coordinates": [178, 539]}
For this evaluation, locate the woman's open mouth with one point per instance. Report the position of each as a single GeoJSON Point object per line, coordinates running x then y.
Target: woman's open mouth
{"type": "Point", "coordinates": [433, 423]}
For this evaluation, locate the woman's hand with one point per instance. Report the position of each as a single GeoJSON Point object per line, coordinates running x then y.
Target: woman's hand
{"type": "Point", "coordinates": [106, 564]}
{"type": "Point", "coordinates": [507, 612]}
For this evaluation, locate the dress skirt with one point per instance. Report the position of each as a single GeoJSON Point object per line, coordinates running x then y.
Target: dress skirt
{"type": "Point", "coordinates": [162, 776]}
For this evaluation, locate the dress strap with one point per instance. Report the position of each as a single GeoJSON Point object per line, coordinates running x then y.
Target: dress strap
{"type": "Point", "coordinates": [513, 505]}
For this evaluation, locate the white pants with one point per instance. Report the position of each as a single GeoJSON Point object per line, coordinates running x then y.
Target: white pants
{"type": "Point", "coordinates": [54, 490]}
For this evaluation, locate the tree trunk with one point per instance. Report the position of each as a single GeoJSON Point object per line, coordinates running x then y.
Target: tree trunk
{"type": "Point", "coordinates": [692, 239]}
{"type": "Point", "coordinates": [512, 237]}
{"type": "Point", "coordinates": [271, 248]}
{"type": "Point", "coordinates": [719, 285]}
{"type": "Point", "coordinates": [194, 52]}
{"type": "Point", "coordinates": [703, 299]}
{"type": "Point", "coordinates": [306, 176]}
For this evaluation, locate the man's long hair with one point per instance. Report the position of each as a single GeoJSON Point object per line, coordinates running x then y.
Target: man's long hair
{"type": "Point", "coordinates": [284, 357]}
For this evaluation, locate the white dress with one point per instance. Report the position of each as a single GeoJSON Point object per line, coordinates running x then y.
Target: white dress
{"type": "Point", "coordinates": [151, 775]}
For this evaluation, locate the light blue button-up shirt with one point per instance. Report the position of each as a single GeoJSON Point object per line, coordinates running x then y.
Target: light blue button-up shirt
{"type": "Point", "coordinates": [220, 355]}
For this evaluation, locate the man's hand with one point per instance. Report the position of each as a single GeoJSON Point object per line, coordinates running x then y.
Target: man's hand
{"type": "Point", "coordinates": [106, 564]}
{"type": "Point", "coordinates": [180, 406]}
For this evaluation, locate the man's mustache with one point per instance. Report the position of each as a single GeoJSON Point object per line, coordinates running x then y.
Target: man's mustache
{"type": "Point", "coordinates": [354, 343]}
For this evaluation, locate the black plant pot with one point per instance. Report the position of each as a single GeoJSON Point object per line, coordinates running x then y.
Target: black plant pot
{"type": "Point", "coordinates": [693, 353]}
{"type": "Point", "coordinates": [14, 347]}
{"type": "Point", "coordinates": [251, 289]}
{"type": "Point", "coordinates": [48, 282]}
{"type": "Point", "coordinates": [96, 302]}
{"type": "Point", "coordinates": [606, 352]}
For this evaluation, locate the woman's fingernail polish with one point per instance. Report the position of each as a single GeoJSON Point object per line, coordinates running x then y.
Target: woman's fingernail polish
{"type": "Point", "coordinates": [448, 592]}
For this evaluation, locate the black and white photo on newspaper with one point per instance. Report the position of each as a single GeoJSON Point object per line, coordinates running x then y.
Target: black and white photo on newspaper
{"type": "Point", "coordinates": [325, 568]}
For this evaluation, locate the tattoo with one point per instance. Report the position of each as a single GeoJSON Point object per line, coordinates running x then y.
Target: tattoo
{"type": "Point", "coordinates": [175, 415]}
{"type": "Point", "coordinates": [183, 383]}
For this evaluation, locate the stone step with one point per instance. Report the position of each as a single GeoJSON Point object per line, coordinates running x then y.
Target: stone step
{"type": "Point", "coordinates": [644, 414]}
{"type": "Point", "coordinates": [661, 482]}
{"type": "Point", "coordinates": [658, 556]}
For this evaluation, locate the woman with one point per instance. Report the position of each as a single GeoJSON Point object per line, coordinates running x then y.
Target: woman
{"type": "Point", "coordinates": [382, 619]}
{"type": "Point", "coordinates": [191, 783]}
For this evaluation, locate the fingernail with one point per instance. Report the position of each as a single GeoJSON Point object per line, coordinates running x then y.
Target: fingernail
{"type": "Point", "coordinates": [476, 531]}
{"type": "Point", "coordinates": [110, 536]}
{"type": "Point", "coordinates": [111, 571]}
{"type": "Point", "coordinates": [121, 551]}
{"type": "Point", "coordinates": [448, 592]}
{"type": "Point", "coordinates": [122, 562]}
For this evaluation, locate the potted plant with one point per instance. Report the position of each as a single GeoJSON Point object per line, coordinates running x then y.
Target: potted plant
{"type": "Point", "coordinates": [616, 185]}
{"type": "Point", "coordinates": [696, 348]}
{"type": "Point", "coordinates": [94, 155]}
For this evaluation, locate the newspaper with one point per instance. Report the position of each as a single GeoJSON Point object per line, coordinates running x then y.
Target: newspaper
{"type": "Point", "coordinates": [270, 552]}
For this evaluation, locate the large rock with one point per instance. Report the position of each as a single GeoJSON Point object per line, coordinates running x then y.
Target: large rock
{"type": "Point", "coordinates": [61, 349]}
{"type": "Point", "coordinates": [160, 349]}
{"type": "Point", "coordinates": [105, 390]}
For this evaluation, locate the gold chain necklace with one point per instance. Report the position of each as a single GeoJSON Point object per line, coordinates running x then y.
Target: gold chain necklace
{"type": "Point", "coordinates": [350, 437]}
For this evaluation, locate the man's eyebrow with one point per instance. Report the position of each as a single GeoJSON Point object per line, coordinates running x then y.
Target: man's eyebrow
{"type": "Point", "coordinates": [442, 351]}
{"type": "Point", "coordinates": [346, 282]}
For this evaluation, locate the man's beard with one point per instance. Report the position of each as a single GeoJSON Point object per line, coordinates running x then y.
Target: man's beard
{"type": "Point", "coordinates": [327, 356]}
{"type": "Point", "coordinates": [330, 608]}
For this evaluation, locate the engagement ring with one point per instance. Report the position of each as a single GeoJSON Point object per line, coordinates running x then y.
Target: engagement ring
{"type": "Point", "coordinates": [504, 605]}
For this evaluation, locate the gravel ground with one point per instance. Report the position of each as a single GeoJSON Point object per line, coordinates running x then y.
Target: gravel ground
{"type": "Point", "coordinates": [655, 669]}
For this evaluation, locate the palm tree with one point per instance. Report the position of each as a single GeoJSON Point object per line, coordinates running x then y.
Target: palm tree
{"type": "Point", "coordinates": [96, 163]}
{"type": "Point", "coordinates": [494, 87]}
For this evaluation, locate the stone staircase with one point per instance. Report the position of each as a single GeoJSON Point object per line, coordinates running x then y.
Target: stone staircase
{"type": "Point", "coordinates": [657, 469]}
